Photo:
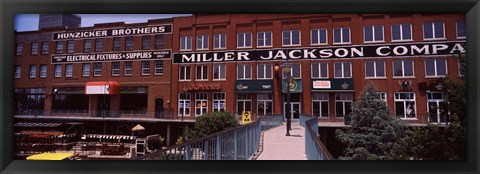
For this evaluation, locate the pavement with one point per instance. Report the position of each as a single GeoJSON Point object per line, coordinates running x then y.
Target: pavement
{"type": "Point", "coordinates": [277, 146]}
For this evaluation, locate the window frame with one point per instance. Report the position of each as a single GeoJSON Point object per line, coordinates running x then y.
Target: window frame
{"type": "Point", "coordinates": [186, 74]}
{"type": "Point", "coordinates": [219, 37]}
{"type": "Point", "coordinates": [401, 33]}
{"type": "Point", "coordinates": [264, 98]}
{"type": "Point", "coordinates": [343, 101]}
{"type": "Point", "coordinates": [85, 43]}
{"type": "Point", "coordinates": [375, 70]}
{"type": "Point", "coordinates": [433, 31]}
{"type": "Point", "coordinates": [97, 72]}
{"type": "Point", "coordinates": [203, 74]}
{"type": "Point", "coordinates": [342, 42]}
{"type": "Point", "coordinates": [343, 70]}
{"type": "Point", "coordinates": [85, 70]}
{"type": "Point", "coordinates": [128, 68]}
{"type": "Point", "coordinates": [159, 41]}
{"type": "Point", "coordinates": [158, 65]}
{"type": "Point", "coordinates": [436, 68]}
{"type": "Point", "coordinates": [59, 47]}
{"type": "Point", "coordinates": [264, 71]}
{"type": "Point", "coordinates": [219, 98]}
{"type": "Point", "coordinates": [200, 43]}
{"type": "Point", "coordinates": [404, 117]}
{"type": "Point", "coordinates": [224, 70]}
{"type": "Point", "coordinates": [33, 71]}
{"type": "Point", "coordinates": [69, 70]}
{"type": "Point", "coordinates": [244, 72]}
{"type": "Point", "coordinates": [437, 101]}
{"type": "Point", "coordinates": [185, 43]}
{"type": "Point", "coordinates": [321, 100]}
{"type": "Point", "coordinates": [34, 49]}
{"type": "Point", "coordinates": [262, 36]}
{"type": "Point", "coordinates": [182, 102]}
{"type": "Point", "coordinates": [465, 28]}
{"type": "Point", "coordinates": [403, 69]}
{"type": "Point", "coordinates": [319, 36]}
{"type": "Point", "coordinates": [319, 70]}
{"type": "Point", "coordinates": [291, 38]}
{"type": "Point", "coordinates": [146, 42]}
{"type": "Point", "coordinates": [292, 71]}
{"type": "Point", "coordinates": [373, 34]}
{"type": "Point", "coordinates": [70, 46]}
{"type": "Point", "coordinates": [19, 49]}
{"type": "Point", "coordinates": [99, 45]}
{"type": "Point", "coordinates": [18, 71]}
{"type": "Point", "coordinates": [199, 98]}
{"type": "Point", "coordinates": [244, 35]}
{"type": "Point", "coordinates": [117, 44]}
{"type": "Point", "coordinates": [129, 43]}
{"type": "Point", "coordinates": [45, 47]}
{"type": "Point", "coordinates": [115, 69]}
{"type": "Point", "coordinates": [58, 70]}
{"type": "Point", "coordinates": [145, 70]}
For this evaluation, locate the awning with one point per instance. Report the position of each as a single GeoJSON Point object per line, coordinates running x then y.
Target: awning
{"type": "Point", "coordinates": [333, 85]}
{"type": "Point", "coordinates": [50, 156]}
{"type": "Point", "coordinates": [101, 136]}
{"type": "Point", "coordinates": [259, 86]}
{"type": "Point", "coordinates": [102, 87]}
{"type": "Point", "coordinates": [28, 124]}
{"type": "Point", "coordinates": [138, 127]}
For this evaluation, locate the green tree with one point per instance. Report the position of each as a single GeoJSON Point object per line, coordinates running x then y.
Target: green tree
{"type": "Point", "coordinates": [211, 123]}
{"type": "Point", "coordinates": [373, 134]}
{"type": "Point", "coordinates": [435, 142]}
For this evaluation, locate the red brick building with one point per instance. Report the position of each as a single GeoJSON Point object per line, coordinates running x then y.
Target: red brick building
{"type": "Point", "coordinates": [233, 62]}
{"type": "Point", "coordinates": [172, 70]}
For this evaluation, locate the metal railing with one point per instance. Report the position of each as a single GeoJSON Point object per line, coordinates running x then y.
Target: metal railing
{"type": "Point", "coordinates": [314, 148]}
{"type": "Point", "coordinates": [240, 143]}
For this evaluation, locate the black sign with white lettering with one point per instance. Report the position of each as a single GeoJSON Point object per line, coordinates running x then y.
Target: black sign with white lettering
{"type": "Point", "coordinates": [161, 29]}
{"type": "Point", "coordinates": [115, 56]}
{"type": "Point", "coordinates": [328, 52]}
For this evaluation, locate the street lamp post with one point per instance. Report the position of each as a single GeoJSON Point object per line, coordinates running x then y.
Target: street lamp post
{"type": "Point", "coordinates": [287, 68]}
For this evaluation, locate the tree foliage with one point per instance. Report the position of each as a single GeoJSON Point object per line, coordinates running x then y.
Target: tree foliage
{"type": "Point", "coordinates": [211, 123]}
{"type": "Point", "coordinates": [448, 142]}
{"type": "Point", "coordinates": [374, 134]}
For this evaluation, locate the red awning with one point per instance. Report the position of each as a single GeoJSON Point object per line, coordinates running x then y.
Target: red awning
{"type": "Point", "coordinates": [105, 87]}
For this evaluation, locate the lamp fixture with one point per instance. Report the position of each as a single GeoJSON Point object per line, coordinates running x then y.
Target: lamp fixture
{"type": "Point", "coordinates": [439, 86]}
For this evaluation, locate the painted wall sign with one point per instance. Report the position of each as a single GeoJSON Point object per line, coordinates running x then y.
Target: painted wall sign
{"type": "Point", "coordinates": [160, 29]}
{"type": "Point", "coordinates": [113, 56]}
{"type": "Point", "coordinates": [20, 38]}
{"type": "Point", "coordinates": [327, 52]}
{"type": "Point", "coordinates": [321, 84]}
{"type": "Point", "coordinates": [204, 87]}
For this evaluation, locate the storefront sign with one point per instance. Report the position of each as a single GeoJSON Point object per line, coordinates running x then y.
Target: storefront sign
{"type": "Point", "coordinates": [246, 117]}
{"type": "Point", "coordinates": [114, 56]}
{"type": "Point", "coordinates": [327, 52]}
{"type": "Point", "coordinates": [204, 87]}
{"type": "Point", "coordinates": [160, 29]}
{"type": "Point", "coordinates": [321, 84]}
{"type": "Point", "coordinates": [254, 85]}
{"type": "Point", "coordinates": [21, 38]}
{"type": "Point", "coordinates": [295, 86]}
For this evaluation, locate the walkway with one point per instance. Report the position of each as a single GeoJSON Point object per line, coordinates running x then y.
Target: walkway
{"type": "Point", "coordinates": [277, 146]}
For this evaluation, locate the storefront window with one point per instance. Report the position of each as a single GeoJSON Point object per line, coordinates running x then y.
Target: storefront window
{"type": "Point", "coordinates": [201, 103]}
{"type": "Point", "coordinates": [436, 107]}
{"type": "Point", "coordinates": [29, 101]}
{"type": "Point", "coordinates": [320, 104]}
{"type": "Point", "coordinates": [343, 104]}
{"type": "Point", "coordinates": [405, 105]}
{"type": "Point", "coordinates": [219, 102]}
{"type": "Point", "coordinates": [244, 103]}
{"type": "Point", "coordinates": [264, 104]}
{"type": "Point", "coordinates": [184, 104]}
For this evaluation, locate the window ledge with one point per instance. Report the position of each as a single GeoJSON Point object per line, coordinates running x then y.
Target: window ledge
{"type": "Point", "coordinates": [413, 77]}
{"type": "Point", "coordinates": [434, 77]}
{"type": "Point", "coordinates": [376, 78]}
{"type": "Point", "coordinates": [414, 119]}
{"type": "Point", "coordinates": [396, 41]}
{"type": "Point", "coordinates": [218, 80]}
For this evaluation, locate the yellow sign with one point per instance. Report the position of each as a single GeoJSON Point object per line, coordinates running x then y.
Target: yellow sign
{"type": "Point", "coordinates": [246, 117]}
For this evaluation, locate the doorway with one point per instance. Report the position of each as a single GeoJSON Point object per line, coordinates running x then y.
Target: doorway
{"type": "Point", "coordinates": [159, 108]}
{"type": "Point", "coordinates": [295, 106]}
{"type": "Point", "coordinates": [103, 106]}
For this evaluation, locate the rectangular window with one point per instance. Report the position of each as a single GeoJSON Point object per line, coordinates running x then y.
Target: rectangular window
{"type": "Point", "coordinates": [343, 104]}
{"type": "Point", "coordinates": [264, 71]}
{"type": "Point", "coordinates": [202, 42]}
{"type": "Point", "coordinates": [97, 69]}
{"type": "Point", "coordinates": [129, 43]}
{"type": "Point", "coordinates": [343, 70]}
{"type": "Point", "coordinates": [201, 72]}
{"type": "Point", "coordinates": [34, 48]}
{"type": "Point", "coordinates": [461, 30]}
{"type": "Point", "coordinates": [128, 71]}
{"type": "Point", "coordinates": [45, 47]}
{"type": "Point", "coordinates": [244, 71]}
{"type": "Point", "coordinates": [99, 45]}
{"type": "Point", "coordinates": [244, 40]}
{"type": "Point", "coordinates": [18, 71]}
{"type": "Point", "coordinates": [219, 72]}
{"type": "Point", "coordinates": [201, 103]}
{"type": "Point", "coordinates": [319, 70]}
{"type": "Point", "coordinates": [184, 73]}
{"type": "Point", "coordinates": [291, 38]}
{"type": "Point", "coordinates": [185, 43]}
{"type": "Point", "coordinates": [87, 45]}
{"type": "Point", "coordinates": [70, 46]}
{"type": "Point", "coordinates": [59, 48]}
{"type": "Point", "coordinates": [146, 42]}
{"type": "Point", "coordinates": [375, 69]}
{"type": "Point", "coordinates": [435, 67]}
{"type": "Point", "coordinates": [295, 72]}
{"type": "Point", "coordinates": [33, 71]}
{"type": "Point", "coordinates": [219, 41]}
{"type": "Point", "coordinates": [19, 49]}
{"type": "Point", "coordinates": [86, 70]}
{"type": "Point", "coordinates": [115, 68]}
{"type": "Point", "coordinates": [373, 33]}
{"type": "Point", "coordinates": [184, 104]}
{"type": "Point", "coordinates": [145, 67]}
{"type": "Point", "coordinates": [244, 103]}
{"type": "Point", "coordinates": [68, 70]}
{"type": "Point", "coordinates": [58, 70]}
{"type": "Point", "coordinates": [43, 71]}
{"type": "Point", "coordinates": [264, 104]}
{"type": "Point", "coordinates": [402, 68]}
{"type": "Point", "coordinates": [461, 67]}
{"type": "Point", "coordinates": [402, 32]}
{"type": "Point", "coordinates": [341, 35]}
{"type": "Point", "coordinates": [264, 39]}
{"type": "Point", "coordinates": [219, 102]}
{"type": "Point", "coordinates": [159, 44]}
{"type": "Point", "coordinates": [405, 105]}
{"type": "Point", "coordinates": [383, 96]}
{"type": "Point", "coordinates": [436, 107]}
{"type": "Point", "coordinates": [320, 104]}
{"type": "Point", "coordinates": [318, 36]}
{"type": "Point", "coordinates": [158, 67]}
{"type": "Point", "coordinates": [117, 44]}
{"type": "Point", "coordinates": [433, 30]}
